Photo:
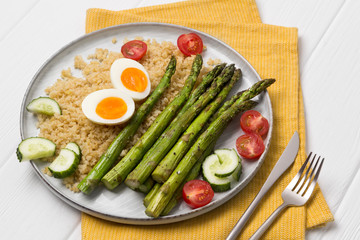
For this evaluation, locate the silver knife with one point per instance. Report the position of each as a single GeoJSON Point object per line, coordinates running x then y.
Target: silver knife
{"type": "Point", "coordinates": [284, 162]}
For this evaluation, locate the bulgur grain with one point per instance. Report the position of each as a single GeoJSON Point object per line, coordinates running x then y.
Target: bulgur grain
{"type": "Point", "coordinates": [69, 92]}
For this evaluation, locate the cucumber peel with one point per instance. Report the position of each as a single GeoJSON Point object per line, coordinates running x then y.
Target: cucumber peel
{"type": "Point", "coordinates": [237, 173]}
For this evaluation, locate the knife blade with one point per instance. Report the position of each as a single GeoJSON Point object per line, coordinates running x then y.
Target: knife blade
{"type": "Point", "coordinates": [285, 161]}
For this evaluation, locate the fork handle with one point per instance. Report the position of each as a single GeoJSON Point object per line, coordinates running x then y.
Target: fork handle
{"type": "Point", "coordinates": [262, 229]}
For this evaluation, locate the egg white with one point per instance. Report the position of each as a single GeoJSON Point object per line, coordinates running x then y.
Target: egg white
{"type": "Point", "coordinates": [93, 99]}
{"type": "Point", "coordinates": [115, 74]}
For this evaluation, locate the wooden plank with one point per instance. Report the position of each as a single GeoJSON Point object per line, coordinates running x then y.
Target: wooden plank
{"type": "Point", "coordinates": [76, 233]}
{"type": "Point", "coordinates": [330, 78]}
{"type": "Point", "coordinates": [13, 13]}
{"type": "Point", "coordinates": [347, 216]}
{"type": "Point", "coordinates": [29, 209]}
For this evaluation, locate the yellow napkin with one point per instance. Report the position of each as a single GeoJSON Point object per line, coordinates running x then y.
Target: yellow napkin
{"type": "Point", "coordinates": [273, 51]}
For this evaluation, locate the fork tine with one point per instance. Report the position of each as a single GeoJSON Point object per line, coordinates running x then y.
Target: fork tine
{"type": "Point", "coordinates": [301, 181]}
{"type": "Point", "coordinates": [303, 188]}
{"type": "Point", "coordinates": [313, 183]}
{"type": "Point", "coordinates": [293, 182]}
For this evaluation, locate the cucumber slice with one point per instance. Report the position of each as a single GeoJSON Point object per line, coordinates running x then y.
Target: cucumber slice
{"type": "Point", "coordinates": [65, 164]}
{"type": "Point", "coordinates": [229, 161]}
{"type": "Point", "coordinates": [44, 105]}
{"type": "Point", "coordinates": [34, 148]}
{"type": "Point", "coordinates": [74, 147]}
{"type": "Point", "coordinates": [209, 166]}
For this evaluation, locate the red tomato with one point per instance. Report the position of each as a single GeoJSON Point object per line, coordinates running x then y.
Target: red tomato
{"type": "Point", "coordinates": [250, 145]}
{"type": "Point", "coordinates": [197, 193]}
{"type": "Point", "coordinates": [253, 122]}
{"type": "Point", "coordinates": [190, 44]}
{"type": "Point", "coordinates": [134, 49]}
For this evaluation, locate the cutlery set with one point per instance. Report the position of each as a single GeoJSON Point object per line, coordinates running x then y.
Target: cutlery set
{"type": "Point", "coordinates": [297, 193]}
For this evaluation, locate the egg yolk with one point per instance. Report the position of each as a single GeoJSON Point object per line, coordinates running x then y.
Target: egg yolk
{"type": "Point", "coordinates": [134, 79]}
{"type": "Point", "coordinates": [111, 108]}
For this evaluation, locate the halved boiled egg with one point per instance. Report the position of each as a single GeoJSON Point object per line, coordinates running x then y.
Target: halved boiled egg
{"type": "Point", "coordinates": [130, 77]}
{"type": "Point", "coordinates": [108, 106]}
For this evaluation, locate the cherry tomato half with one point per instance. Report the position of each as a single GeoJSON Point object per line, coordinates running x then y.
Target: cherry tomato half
{"type": "Point", "coordinates": [134, 49]}
{"type": "Point", "coordinates": [190, 44]}
{"type": "Point", "coordinates": [197, 193]}
{"type": "Point", "coordinates": [250, 145]}
{"type": "Point", "coordinates": [253, 122]}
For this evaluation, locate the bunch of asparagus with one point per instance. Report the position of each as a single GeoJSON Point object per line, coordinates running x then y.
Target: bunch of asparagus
{"type": "Point", "coordinates": [173, 148]}
{"type": "Point", "coordinates": [161, 200]}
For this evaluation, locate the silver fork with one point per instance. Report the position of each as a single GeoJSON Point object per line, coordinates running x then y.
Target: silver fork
{"type": "Point", "coordinates": [297, 193]}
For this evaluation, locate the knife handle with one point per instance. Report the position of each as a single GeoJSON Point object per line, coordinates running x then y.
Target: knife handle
{"type": "Point", "coordinates": [245, 217]}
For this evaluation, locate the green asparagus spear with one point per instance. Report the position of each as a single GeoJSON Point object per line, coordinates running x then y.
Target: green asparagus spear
{"type": "Point", "coordinates": [150, 194]}
{"type": "Point", "coordinates": [254, 90]}
{"type": "Point", "coordinates": [147, 185]}
{"type": "Point", "coordinates": [173, 202]}
{"type": "Point", "coordinates": [206, 81]}
{"type": "Point", "coordinates": [166, 191]}
{"type": "Point", "coordinates": [173, 157]}
{"type": "Point", "coordinates": [226, 105]}
{"type": "Point", "coordinates": [194, 173]}
{"type": "Point", "coordinates": [173, 131]}
{"type": "Point", "coordinates": [118, 173]}
{"type": "Point", "coordinates": [88, 184]}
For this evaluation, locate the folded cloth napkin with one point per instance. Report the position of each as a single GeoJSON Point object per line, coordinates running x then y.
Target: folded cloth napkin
{"type": "Point", "coordinates": [273, 52]}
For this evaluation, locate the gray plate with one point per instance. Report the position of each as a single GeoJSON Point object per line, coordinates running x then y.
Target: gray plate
{"type": "Point", "coordinates": [124, 205]}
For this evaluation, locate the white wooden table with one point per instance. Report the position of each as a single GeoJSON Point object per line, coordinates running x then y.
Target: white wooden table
{"type": "Point", "coordinates": [329, 36]}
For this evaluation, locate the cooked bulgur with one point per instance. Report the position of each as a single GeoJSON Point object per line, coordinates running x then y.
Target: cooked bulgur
{"type": "Point", "coordinates": [69, 91]}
